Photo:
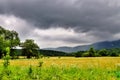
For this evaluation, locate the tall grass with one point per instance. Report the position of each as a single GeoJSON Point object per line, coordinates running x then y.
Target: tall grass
{"type": "Point", "coordinates": [57, 73]}
{"type": "Point", "coordinates": [95, 69]}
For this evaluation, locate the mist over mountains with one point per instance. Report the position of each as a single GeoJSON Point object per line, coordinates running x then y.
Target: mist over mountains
{"type": "Point", "coordinates": [98, 45]}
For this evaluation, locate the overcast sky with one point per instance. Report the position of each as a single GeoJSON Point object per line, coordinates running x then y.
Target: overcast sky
{"type": "Point", "coordinates": [53, 23]}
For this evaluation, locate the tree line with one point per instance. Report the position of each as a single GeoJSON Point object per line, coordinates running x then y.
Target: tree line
{"type": "Point", "coordinates": [97, 53]}
{"type": "Point", "coordinates": [10, 40]}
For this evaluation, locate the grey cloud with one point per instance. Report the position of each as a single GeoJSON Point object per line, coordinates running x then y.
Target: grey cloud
{"type": "Point", "coordinates": [99, 19]}
{"type": "Point", "coordinates": [81, 15]}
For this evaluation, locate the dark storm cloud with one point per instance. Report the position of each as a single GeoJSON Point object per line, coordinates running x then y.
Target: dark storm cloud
{"type": "Point", "coordinates": [81, 15]}
{"type": "Point", "coordinates": [98, 19]}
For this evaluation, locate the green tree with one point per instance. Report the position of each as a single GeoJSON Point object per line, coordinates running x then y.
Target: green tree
{"type": "Point", "coordinates": [12, 36]}
{"type": "Point", "coordinates": [103, 52]}
{"type": "Point", "coordinates": [91, 52]}
{"type": "Point", "coordinates": [8, 39]}
{"type": "Point", "coordinates": [30, 49]}
{"type": "Point", "coordinates": [113, 53]}
{"type": "Point", "coordinates": [2, 46]}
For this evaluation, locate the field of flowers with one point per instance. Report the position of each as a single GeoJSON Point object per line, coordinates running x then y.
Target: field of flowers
{"type": "Point", "coordinates": [62, 68]}
{"type": "Point", "coordinates": [102, 62]}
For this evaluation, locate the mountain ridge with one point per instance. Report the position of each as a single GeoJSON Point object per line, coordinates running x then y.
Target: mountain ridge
{"type": "Point", "coordinates": [97, 45]}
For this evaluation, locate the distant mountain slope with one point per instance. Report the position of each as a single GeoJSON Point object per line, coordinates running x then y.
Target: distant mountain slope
{"type": "Point", "coordinates": [98, 45]}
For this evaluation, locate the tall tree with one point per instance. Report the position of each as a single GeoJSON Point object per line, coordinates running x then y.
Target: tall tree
{"type": "Point", "coordinates": [91, 52]}
{"type": "Point", "coordinates": [8, 39]}
{"type": "Point", "coordinates": [29, 48]}
{"type": "Point", "coordinates": [13, 37]}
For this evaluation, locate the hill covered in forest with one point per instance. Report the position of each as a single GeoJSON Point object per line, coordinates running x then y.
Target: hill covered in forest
{"type": "Point", "coordinates": [97, 46]}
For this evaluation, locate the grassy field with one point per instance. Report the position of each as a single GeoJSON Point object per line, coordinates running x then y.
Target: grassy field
{"type": "Point", "coordinates": [62, 68]}
{"type": "Point", "coordinates": [101, 62]}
